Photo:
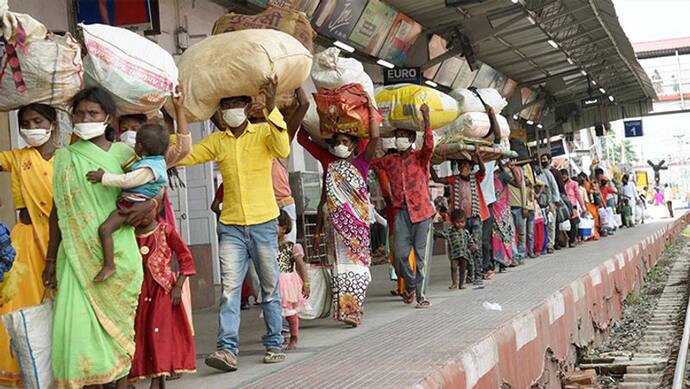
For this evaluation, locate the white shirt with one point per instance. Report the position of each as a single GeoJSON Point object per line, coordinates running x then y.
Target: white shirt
{"type": "Point", "coordinates": [668, 194]}
{"type": "Point", "coordinates": [487, 184]}
{"type": "Point", "coordinates": [630, 192]}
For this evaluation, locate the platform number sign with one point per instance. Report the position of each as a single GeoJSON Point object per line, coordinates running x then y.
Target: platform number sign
{"type": "Point", "coordinates": [633, 128]}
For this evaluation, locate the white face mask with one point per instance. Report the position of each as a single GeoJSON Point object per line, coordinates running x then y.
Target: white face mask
{"type": "Point", "coordinates": [403, 144]}
{"type": "Point", "coordinates": [341, 151]}
{"type": "Point", "coordinates": [35, 137]}
{"type": "Point", "coordinates": [129, 138]}
{"type": "Point", "coordinates": [234, 117]}
{"type": "Point", "coordinates": [388, 143]}
{"type": "Point", "coordinates": [91, 130]}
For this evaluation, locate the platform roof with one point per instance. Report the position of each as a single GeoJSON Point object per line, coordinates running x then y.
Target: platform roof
{"type": "Point", "coordinates": [514, 38]}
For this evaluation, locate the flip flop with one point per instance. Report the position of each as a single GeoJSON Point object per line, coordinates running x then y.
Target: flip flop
{"type": "Point", "coordinates": [274, 355]}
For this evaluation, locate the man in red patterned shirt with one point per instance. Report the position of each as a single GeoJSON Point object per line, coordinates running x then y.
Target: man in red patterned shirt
{"type": "Point", "coordinates": [408, 174]}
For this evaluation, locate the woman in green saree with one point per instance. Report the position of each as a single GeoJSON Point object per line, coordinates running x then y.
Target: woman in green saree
{"type": "Point", "coordinates": [93, 323]}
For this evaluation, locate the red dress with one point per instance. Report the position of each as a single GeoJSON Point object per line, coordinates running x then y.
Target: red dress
{"type": "Point", "coordinates": [164, 341]}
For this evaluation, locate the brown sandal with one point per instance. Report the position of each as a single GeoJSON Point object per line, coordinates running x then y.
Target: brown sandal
{"type": "Point", "coordinates": [424, 304]}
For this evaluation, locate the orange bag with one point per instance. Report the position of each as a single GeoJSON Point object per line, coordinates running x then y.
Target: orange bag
{"type": "Point", "coordinates": [344, 110]}
{"type": "Point", "coordinates": [286, 20]}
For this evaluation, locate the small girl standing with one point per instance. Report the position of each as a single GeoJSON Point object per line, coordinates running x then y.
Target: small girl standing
{"type": "Point", "coordinates": [164, 341]}
{"type": "Point", "coordinates": [294, 282]}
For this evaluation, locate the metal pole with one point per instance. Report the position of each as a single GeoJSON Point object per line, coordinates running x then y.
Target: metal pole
{"type": "Point", "coordinates": [680, 83]}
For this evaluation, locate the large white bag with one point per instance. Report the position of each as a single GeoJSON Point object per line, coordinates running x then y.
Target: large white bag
{"type": "Point", "coordinates": [476, 125]}
{"type": "Point", "coordinates": [238, 63]}
{"type": "Point", "coordinates": [332, 71]}
{"type": "Point", "coordinates": [30, 330]}
{"type": "Point", "coordinates": [50, 65]}
{"type": "Point", "coordinates": [469, 102]}
{"type": "Point", "coordinates": [138, 73]}
{"type": "Point", "coordinates": [320, 293]}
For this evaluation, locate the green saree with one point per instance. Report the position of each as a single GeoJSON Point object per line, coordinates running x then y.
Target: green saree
{"type": "Point", "coordinates": [93, 325]}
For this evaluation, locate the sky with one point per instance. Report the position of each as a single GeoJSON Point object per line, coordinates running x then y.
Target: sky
{"type": "Point", "coordinates": [648, 20]}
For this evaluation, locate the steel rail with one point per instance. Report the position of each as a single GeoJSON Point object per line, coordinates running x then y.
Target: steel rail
{"type": "Point", "coordinates": [682, 360]}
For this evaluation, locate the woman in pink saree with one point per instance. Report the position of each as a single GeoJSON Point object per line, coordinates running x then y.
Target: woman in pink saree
{"type": "Point", "coordinates": [503, 233]}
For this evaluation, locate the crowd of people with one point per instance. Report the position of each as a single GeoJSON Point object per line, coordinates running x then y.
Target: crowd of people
{"type": "Point", "coordinates": [95, 224]}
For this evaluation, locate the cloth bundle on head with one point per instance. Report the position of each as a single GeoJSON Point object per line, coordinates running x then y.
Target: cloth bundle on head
{"type": "Point", "coordinates": [344, 110]}
{"type": "Point", "coordinates": [288, 21]}
{"type": "Point", "coordinates": [473, 122]}
{"type": "Point", "coordinates": [138, 73]}
{"type": "Point", "coordinates": [238, 63]}
{"type": "Point", "coordinates": [331, 71]}
{"type": "Point", "coordinates": [37, 67]}
{"type": "Point", "coordinates": [400, 105]}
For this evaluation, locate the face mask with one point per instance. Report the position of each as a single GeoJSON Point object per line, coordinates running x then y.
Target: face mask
{"type": "Point", "coordinates": [402, 144]}
{"type": "Point", "coordinates": [91, 130]}
{"type": "Point", "coordinates": [388, 143]}
{"type": "Point", "coordinates": [234, 117]}
{"type": "Point", "coordinates": [36, 136]}
{"type": "Point", "coordinates": [341, 151]}
{"type": "Point", "coordinates": [129, 138]}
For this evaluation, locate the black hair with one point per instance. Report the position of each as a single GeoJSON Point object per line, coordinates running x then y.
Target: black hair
{"type": "Point", "coordinates": [443, 209]}
{"type": "Point", "coordinates": [153, 139]}
{"type": "Point", "coordinates": [46, 111]}
{"type": "Point", "coordinates": [137, 117]}
{"type": "Point", "coordinates": [598, 171]}
{"type": "Point", "coordinates": [285, 221]}
{"type": "Point", "coordinates": [457, 214]}
{"type": "Point", "coordinates": [353, 138]}
{"type": "Point", "coordinates": [96, 95]}
{"type": "Point", "coordinates": [565, 172]}
{"type": "Point", "coordinates": [246, 99]}
{"type": "Point", "coordinates": [547, 155]}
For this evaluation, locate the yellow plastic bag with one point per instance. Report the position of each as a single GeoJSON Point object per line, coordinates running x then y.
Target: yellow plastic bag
{"type": "Point", "coordinates": [400, 104]}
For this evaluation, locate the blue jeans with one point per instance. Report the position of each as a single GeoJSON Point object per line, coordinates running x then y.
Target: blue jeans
{"type": "Point", "coordinates": [239, 245]}
{"type": "Point", "coordinates": [519, 222]}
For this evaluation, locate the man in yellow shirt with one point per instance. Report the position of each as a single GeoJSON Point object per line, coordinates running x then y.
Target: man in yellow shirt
{"type": "Point", "coordinates": [247, 228]}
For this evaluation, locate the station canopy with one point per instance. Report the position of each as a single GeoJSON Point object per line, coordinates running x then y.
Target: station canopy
{"type": "Point", "coordinates": [568, 49]}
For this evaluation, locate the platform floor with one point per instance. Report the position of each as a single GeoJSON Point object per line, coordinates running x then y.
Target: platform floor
{"type": "Point", "coordinates": [398, 345]}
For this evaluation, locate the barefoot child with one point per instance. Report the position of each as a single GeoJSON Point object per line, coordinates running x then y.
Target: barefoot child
{"type": "Point", "coordinates": [294, 285]}
{"type": "Point", "coordinates": [461, 248]}
{"type": "Point", "coordinates": [146, 178]}
{"type": "Point", "coordinates": [164, 342]}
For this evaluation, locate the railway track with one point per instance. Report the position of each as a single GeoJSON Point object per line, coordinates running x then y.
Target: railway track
{"type": "Point", "coordinates": [650, 363]}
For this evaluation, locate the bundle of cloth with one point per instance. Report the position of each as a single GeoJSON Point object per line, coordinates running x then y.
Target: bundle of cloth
{"type": "Point", "coordinates": [472, 123]}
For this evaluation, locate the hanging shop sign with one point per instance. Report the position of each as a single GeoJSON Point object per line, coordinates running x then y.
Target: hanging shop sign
{"type": "Point", "coordinates": [401, 37]}
{"type": "Point", "coordinates": [337, 18]}
{"type": "Point", "coordinates": [557, 148]}
{"type": "Point", "coordinates": [633, 128]}
{"type": "Point", "coordinates": [590, 102]}
{"type": "Point", "coordinates": [372, 27]}
{"type": "Point", "coordinates": [402, 76]}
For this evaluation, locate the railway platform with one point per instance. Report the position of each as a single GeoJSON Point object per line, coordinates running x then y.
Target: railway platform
{"type": "Point", "coordinates": [549, 306]}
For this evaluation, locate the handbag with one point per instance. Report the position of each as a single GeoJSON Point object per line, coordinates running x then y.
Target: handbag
{"type": "Point", "coordinates": [30, 331]}
{"type": "Point", "coordinates": [564, 226]}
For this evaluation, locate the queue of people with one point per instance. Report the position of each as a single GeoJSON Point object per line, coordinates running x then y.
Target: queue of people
{"type": "Point", "coordinates": [95, 225]}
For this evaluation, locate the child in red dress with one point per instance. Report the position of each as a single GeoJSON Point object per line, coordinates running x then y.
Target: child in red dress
{"type": "Point", "coordinates": [164, 340]}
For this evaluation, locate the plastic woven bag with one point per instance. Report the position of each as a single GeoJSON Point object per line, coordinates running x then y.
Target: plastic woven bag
{"type": "Point", "coordinates": [400, 105]}
{"type": "Point", "coordinates": [343, 110]}
{"type": "Point", "coordinates": [332, 71]}
{"type": "Point", "coordinates": [469, 102]}
{"type": "Point", "coordinates": [140, 77]}
{"type": "Point", "coordinates": [37, 67]}
{"type": "Point", "coordinates": [30, 331]}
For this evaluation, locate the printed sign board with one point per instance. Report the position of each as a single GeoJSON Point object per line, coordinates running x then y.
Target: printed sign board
{"type": "Point", "coordinates": [402, 76]}
{"type": "Point", "coordinates": [633, 128]}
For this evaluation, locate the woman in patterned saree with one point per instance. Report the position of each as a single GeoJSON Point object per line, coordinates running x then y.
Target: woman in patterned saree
{"type": "Point", "coordinates": [504, 233]}
{"type": "Point", "coordinates": [345, 197]}
{"type": "Point", "coordinates": [32, 191]}
{"type": "Point", "coordinates": [93, 323]}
